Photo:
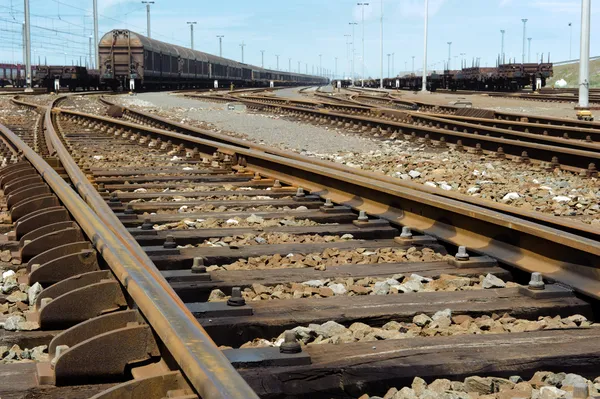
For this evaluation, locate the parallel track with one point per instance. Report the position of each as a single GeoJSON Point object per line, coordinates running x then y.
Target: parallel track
{"type": "Point", "coordinates": [227, 191]}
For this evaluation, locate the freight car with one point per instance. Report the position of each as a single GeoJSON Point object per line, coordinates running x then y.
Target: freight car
{"type": "Point", "coordinates": [71, 77]}
{"type": "Point", "coordinates": [14, 75]}
{"type": "Point", "coordinates": [152, 64]}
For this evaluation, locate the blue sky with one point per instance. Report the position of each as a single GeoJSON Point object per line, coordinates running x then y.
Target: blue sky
{"type": "Point", "coordinates": [303, 29]}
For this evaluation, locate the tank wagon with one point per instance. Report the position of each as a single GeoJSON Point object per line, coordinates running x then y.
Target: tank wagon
{"type": "Point", "coordinates": [152, 64]}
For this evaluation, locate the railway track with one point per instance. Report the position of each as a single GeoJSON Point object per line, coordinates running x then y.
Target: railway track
{"type": "Point", "coordinates": [226, 223]}
{"type": "Point", "coordinates": [437, 131]}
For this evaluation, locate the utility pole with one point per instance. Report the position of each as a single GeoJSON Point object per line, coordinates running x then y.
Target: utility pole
{"type": "Point", "coordinates": [191, 24]}
{"type": "Point", "coordinates": [449, 54]}
{"type": "Point", "coordinates": [529, 50]}
{"type": "Point", "coordinates": [242, 46]}
{"type": "Point", "coordinates": [524, 36]}
{"type": "Point", "coordinates": [363, 42]}
{"type": "Point", "coordinates": [424, 80]}
{"type": "Point", "coordinates": [584, 58]}
{"type": "Point", "coordinates": [221, 46]}
{"type": "Point", "coordinates": [299, 67]}
{"type": "Point", "coordinates": [347, 53]}
{"type": "Point", "coordinates": [381, 81]}
{"type": "Point", "coordinates": [393, 64]}
{"type": "Point", "coordinates": [353, 51]}
{"type": "Point", "coordinates": [413, 68]}
{"type": "Point", "coordinates": [147, 3]}
{"type": "Point", "coordinates": [97, 65]}
{"type": "Point", "coordinates": [336, 58]}
{"type": "Point", "coordinates": [90, 51]}
{"type": "Point", "coordinates": [290, 65]}
{"type": "Point", "coordinates": [27, 48]}
{"type": "Point", "coordinates": [320, 64]}
{"type": "Point", "coordinates": [462, 59]}
{"type": "Point", "coordinates": [502, 46]}
{"type": "Point", "coordinates": [262, 58]}
{"type": "Point", "coordinates": [570, 40]}
{"type": "Point", "coordinates": [306, 66]}
{"type": "Point", "coordinates": [277, 55]}
{"type": "Point", "coordinates": [389, 55]}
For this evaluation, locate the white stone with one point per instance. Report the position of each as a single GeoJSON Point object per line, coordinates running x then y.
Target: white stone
{"type": "Point", "coordinates": [347, 237]}
{"type": "Point", "coordinates": [491, 281]}
{"type": "Point", "coordinates": [12, 322]}
{"type": "Point", "coordinates": [140, 190]}
{"type": "Point", "coordinates": [511, 196]}
{"type": "Point", "coordinates": [381, 288]}
{"type": "Point", "coordinates": [254, 219]}
{"type": "Point", "coordinates": [329, 329]}
{"type": "Point", "coordinates": [552, 393]}
{"type": "Point", "coordinates": [430, 184]}
{"type": "Point", "coordinates": [338, 289]}
{"type": "Point", "coordinates": [232, 221]}
{"type": "Point", "coordinates": [561, 198]}
{"type": "Point", "coordinates": [33, 292]}
{"type": "Point", "coordinates": [414, 174]}
{"type": "Point", "coordinates": [473, 190]}
{"type": "Point", "coordinates": [7, 274]}
{"type": "Point", "coordinates": [446, 187]}
{"type": "Point", "coordinates": [421, 320]}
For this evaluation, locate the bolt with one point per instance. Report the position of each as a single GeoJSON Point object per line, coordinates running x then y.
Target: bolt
{"type": "Point", "coordinates": [60, 349]}
{"type": "Point", "coordinates": [290, 345]}
{"type": "Point", "coordinates": [524, 157]}
{"type": "Point", "coordinates": [147, 225]}
{"type": "Point", "coordinates": [198, 266]}
{"type": "Point", "coordinates": [537, 282]}
{"type": "Point", "coordinates": [406, 233]}
{"type": "Point", "coordinates": [362, 216]}
{"type": "Point", "coordinates": [500, 153]}
{"type": "Point", "coordinates": [300, 192]}
{"type": "Point", "coordinates": [588, 139]}
{"type": "Point", "coordinates": [170, 242]}
{"type": "Point", "coordinates": [554, 163]}
{"type": "Point", "coordinates": [277, 184]}
{"type": "Point", "coordinates": [592, 171]}
{"type": "Point", "coordinates": [462, 254]}
{"type": "Point", "coordinates": [114, 198]}
{"type": "Point", "coordinates": [129, 209]}
{"type": "Point", "coordinates": [566, 136]}
{"type": "Point", "coordinates": [256, 176]}
{"type": "Point", "coordinates": [328, 203]}
{"type": "Point", "coordinates": [459, 145]}
{"type": "Point", "coordinates": [236, 297]}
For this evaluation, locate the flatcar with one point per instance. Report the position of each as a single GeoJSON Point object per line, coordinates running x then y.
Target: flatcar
{"type": "Point", "coordinates": [152, 64]}
{"type": "Point", "coordinates": [71, 77]}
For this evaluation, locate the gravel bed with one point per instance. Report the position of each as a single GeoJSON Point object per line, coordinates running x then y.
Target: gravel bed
{"type": "Point", "coordinates": [397, 284]}
{"type": "Point", "coordinates": [89, 104]}
{"type": "Point", "coordinates": [442, 323]}
{"type": "Point", "coordinates": [336, 257]}
{"type": "Point", "coordinates": [543, 385]}
{"type": "Point", "coordinates": [253, 221]}
{"type": "Point", "coordinates": [527, 186]}
{"type": "Point", "coordinates": [222, 208]}
{"type": "Point", "coordinates": [19, 298]}
{"type": "Point", "coordinates": [272, 239]}
{"type": "Point", "coordinates": [15, 354]}
{"type": "Point", "coordinates": [266, 128]}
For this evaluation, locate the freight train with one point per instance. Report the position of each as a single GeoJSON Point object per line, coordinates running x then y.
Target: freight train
{"type": "Point", "coordinates": [127, 57]}
{"type": "Point", "coordinates": [71, 77]}
{"type": "Point", "coordinates": [505, 77]}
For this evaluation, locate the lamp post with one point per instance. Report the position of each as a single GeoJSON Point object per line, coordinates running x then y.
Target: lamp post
{"type": "Point", "coordinates": [191, 24]}
{"type": "Point", "coordinates": [424, 80]}
{"type": "Point", "coordinates": [389, 55]}
{"type": "Point", "coordinates": [381, 81]}
{"type": "Point", "coordinates": [570, 40]}
{"type": "Point", "coordinates": [262, 58]}
{"type": "Point", "coordinates": [502, 46]}
{"type": "Point", "coordinates": [363, 42]}
{"type": "Point", "coordinates": [221, 45]}
{"type": "Point", "coordinates": [529, 49]}
{"type": "Point", "coordinates": [242, 46]}
{"type": "Point", "coordinates": [524, 36]}
{"type": "Point", "coordinates": [353, 52]}
{"type": "Point", "coordinates": [147, 3]}
{"type": "Point", "coordinates": [584, 60]}
{"type": "Point", "coordinates": [277, 55]}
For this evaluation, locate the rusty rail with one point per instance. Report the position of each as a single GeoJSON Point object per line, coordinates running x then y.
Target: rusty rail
{"type": "Point", "coordinates": [568, 258]}
{"type": "Point", "coordinates": [204, 365]}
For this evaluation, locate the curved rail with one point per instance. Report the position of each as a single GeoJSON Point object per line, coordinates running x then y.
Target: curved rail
{"type": "Point", "coordinates": [561, 256]}
{"type": "Point", "coordinates": [204, 365]}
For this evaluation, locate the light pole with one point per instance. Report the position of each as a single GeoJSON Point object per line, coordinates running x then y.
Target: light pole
{"type": "Point", "coordinates": [449, 54]}
{"type": "Point", "coordinates": [424, 80]}
{"type": "Point", "coordinates": [147, 3]}
{"type": "Point", "coordinates": [353, 41]}
{"type": "Point", "coordinates": [289, 65]}
{"type": "Point", "coordinates": [462, 60]}
{"type": "Point", "coordinates": [320, 64]}
{"type": "Point", "coordinates": [389, 55]}
{"type": "Point", "coordinates": [27, 42]}
{"type": "Point", "coordinates": [502, 46]}
{"type": "Point", "coordinates": [95, 6]}
{"type": "Point", "coordinates": [221, 45]}
{"type": "Point", "coordinates": [191, 24]}
{"type": "Point", "coordinates": [347, 52]}
{"type": "Point", "coordinates": [584, 58]}
{"type": "Point", "coordinates": [277, 55]}
{"type": "Point", "coordinates": [529, 49]}
{"type": "Point", "coordinates": [363, 42]}
{"type": "Point", "coordinates": [242, 46]}
{"type": "Point", "coordinates": [299, 67]}
{"type": "Point", "coordinates": [262, 58]}
{"type": "Point", "coordinates": [393, 64]}
{"type": "Point", "coordinates": [524, 36]}
{"type": "Point", "coordinates": [90, 52]}
{"type": "Point", "coordinates": [570, 40]}
{"type": "Point", "coordinates": [336, 58]}
{"type": "Point", "coordinates": [381, 81]}
{"type": "Point", "coordinates": [413, 68]}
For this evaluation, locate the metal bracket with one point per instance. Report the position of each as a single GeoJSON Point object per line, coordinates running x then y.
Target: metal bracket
{"type": "Point", "coordinates": [549, 291]}
{"type": "Point", "coordinates": [99, 349]}
{"type": "Point", "coordinates": [14, 186]}
{"type": "Point", "coordinates": [416, 240]}
{"type": "Point", "coordinates": [218, 309]}
{"type": "Point", "coordinates": [371, 223]}
{"type": "Point", "coordinates": [170, 385]}
{"type": "Point", "coordinates": [30, 205]}
{"type": "Point", "coordinates": [49, 241]}
{"type": "Point", "coordinates": [474, 261]}
{"type": "Point", "coordinates": [63, 267]}
{"type": "Point", "coordinates": [265, 357]}
{"type": "Point", "coordinates": [28, 191]}
{"type": "Point", "coordinates": [38, 219]}
{"type": "Point", "coordinates": [17, 174]}
{"type": "Point", "coordinates": [77, 299]}
{"type": "Point", "coordinates": [335, 209]}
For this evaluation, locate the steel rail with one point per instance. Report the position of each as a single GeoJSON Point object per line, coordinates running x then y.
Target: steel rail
{"type": "Point", "coordinates": [202, 362]}
{"type": "Point", "coordinates": [580, 159]}
{"type": "Point", "coordinates": [548, 220]}
{"type": "Point", "coordinates": [560, 256]}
